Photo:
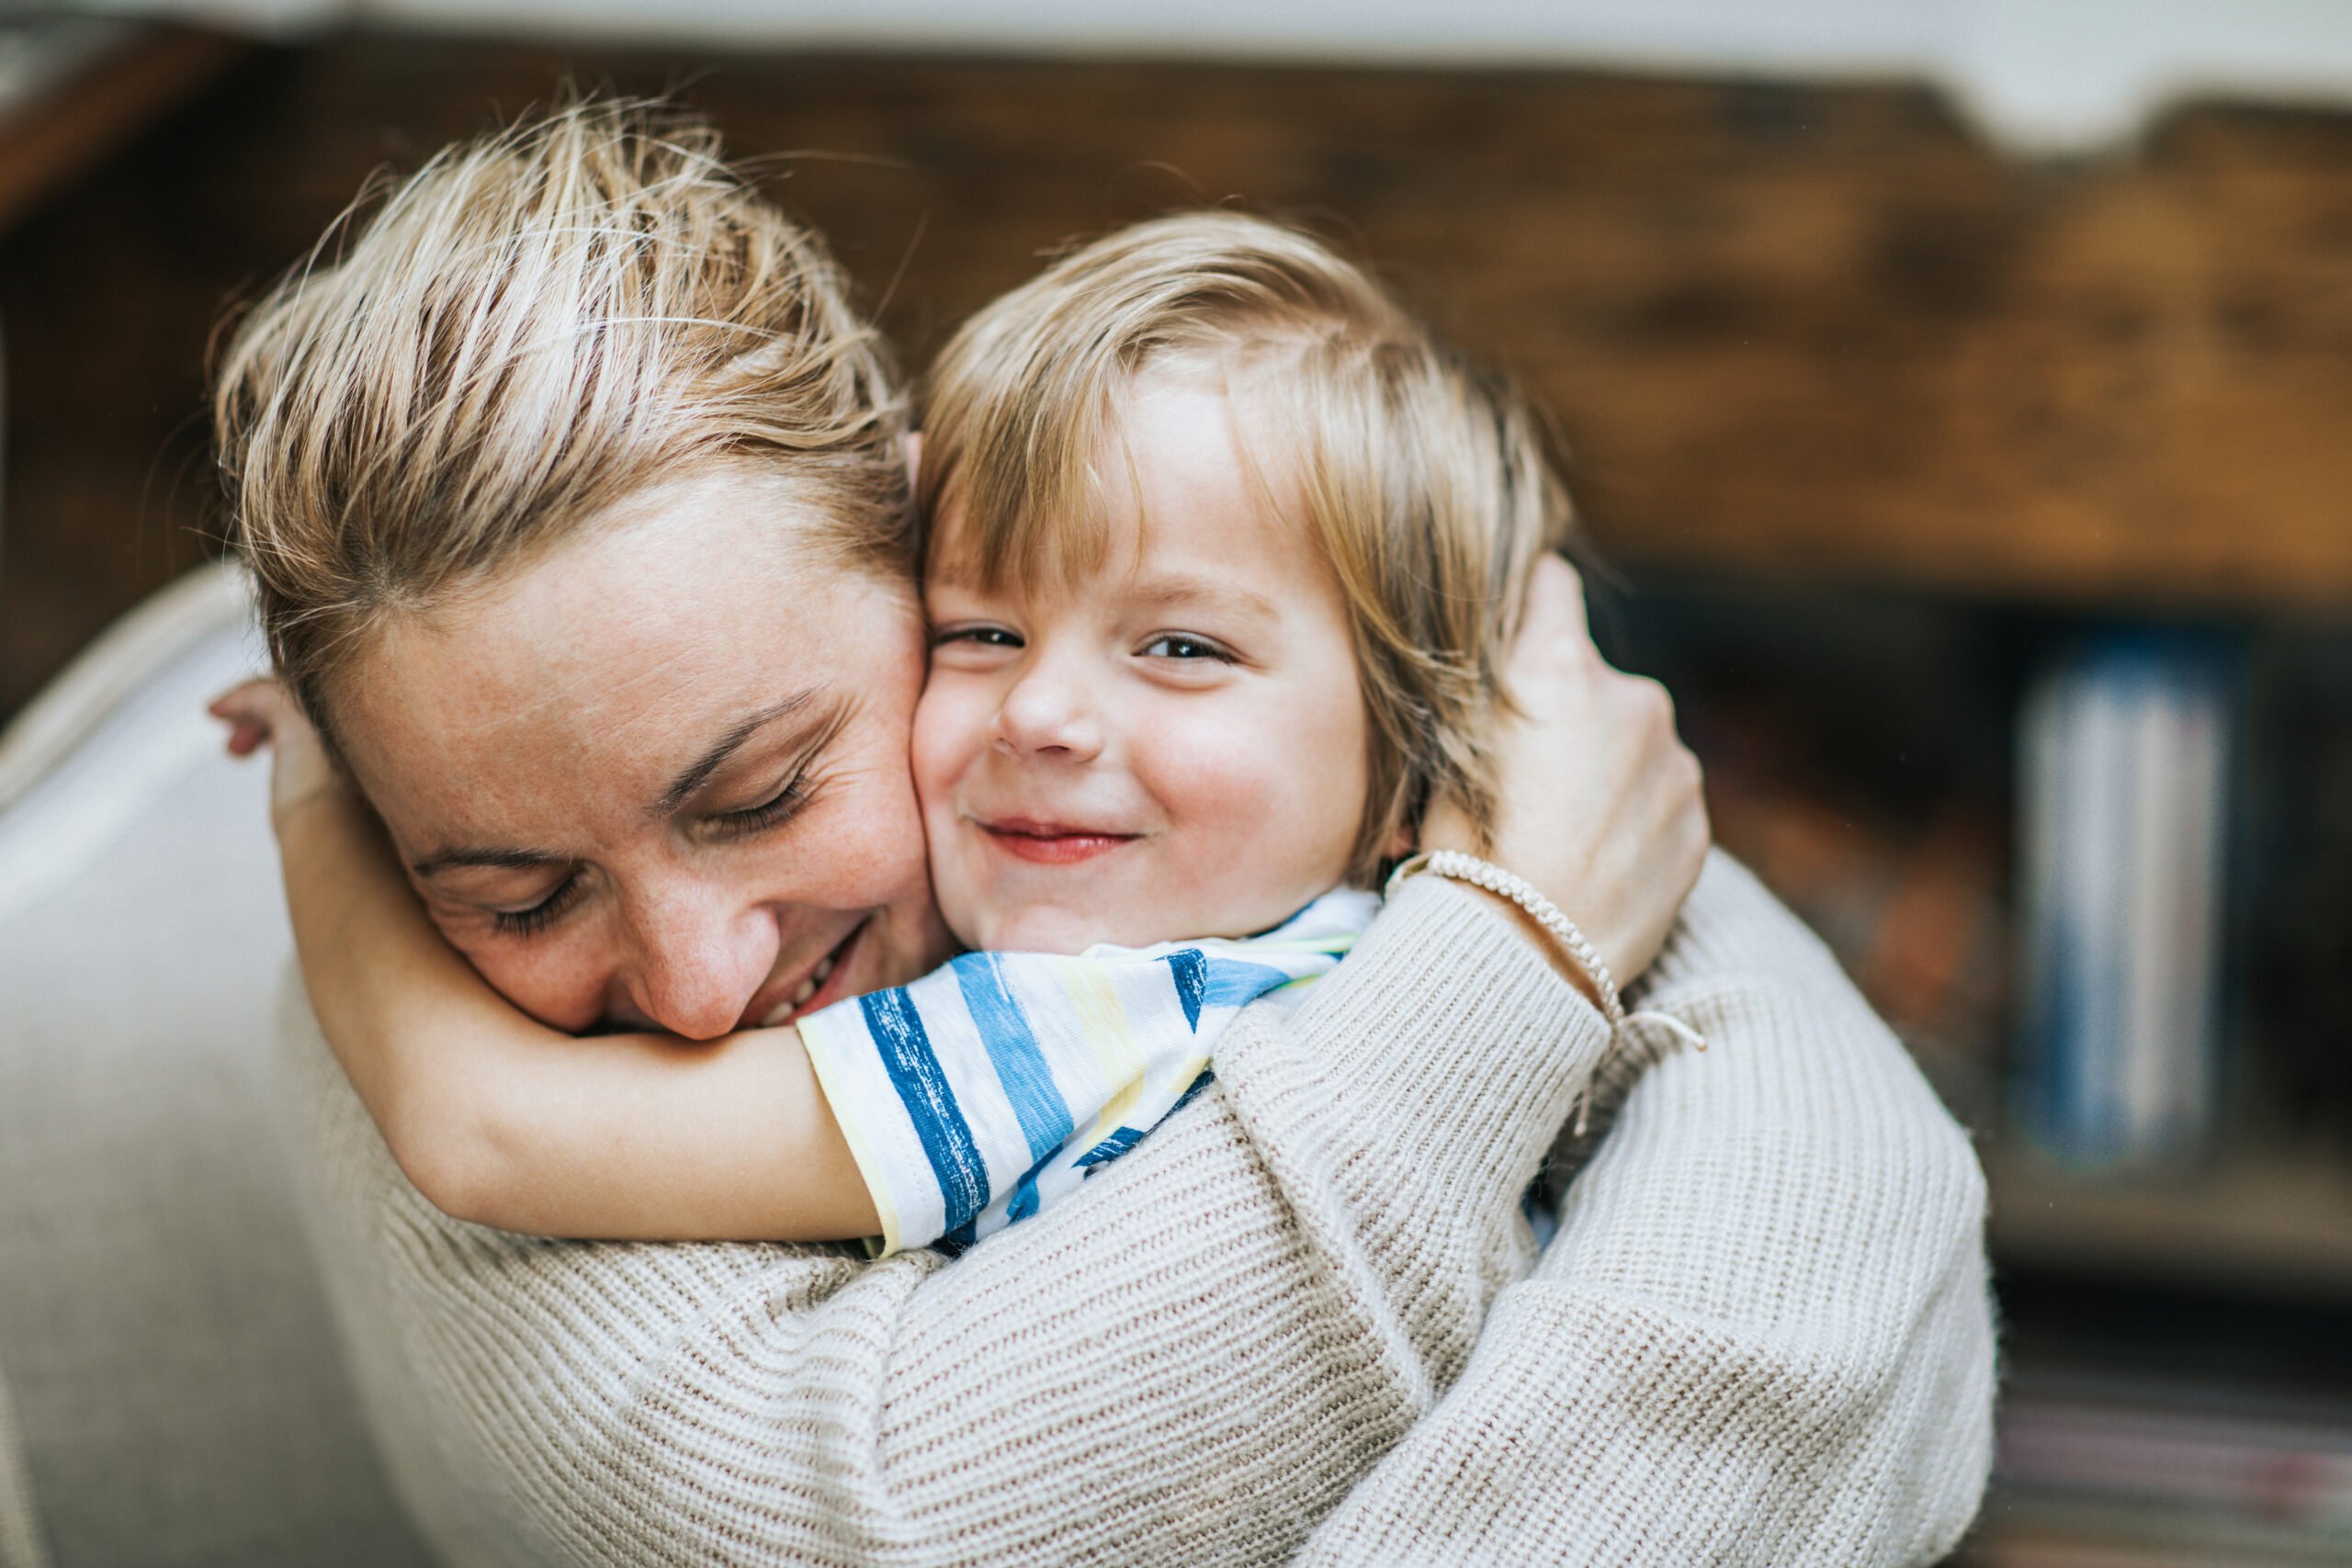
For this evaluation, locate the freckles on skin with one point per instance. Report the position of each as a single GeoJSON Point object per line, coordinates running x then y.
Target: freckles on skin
{"type": "Point", "coordinates": [552, 709]}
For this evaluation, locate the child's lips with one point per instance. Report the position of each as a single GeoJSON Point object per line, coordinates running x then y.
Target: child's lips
{"type": "Point", "coordinates": [1051, 843]}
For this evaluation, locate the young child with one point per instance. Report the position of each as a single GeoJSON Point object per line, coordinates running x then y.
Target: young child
{"type": "Point", "coordinates": [1224, 555]}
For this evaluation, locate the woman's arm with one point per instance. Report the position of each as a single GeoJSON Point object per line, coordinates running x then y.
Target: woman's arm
{"type": "Point", "coordinates": [1762, 1334]}
{"type": "Point", "coordinates": [1189, 1360]}
{"type": "Point", "coordinates": [1192, 1361]}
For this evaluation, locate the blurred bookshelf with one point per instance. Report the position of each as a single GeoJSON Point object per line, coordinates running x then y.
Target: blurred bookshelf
{"type": "Point", "coordinates": [2170, 1169]}
{"type": "Point", "coordinates": [2271, 1218]}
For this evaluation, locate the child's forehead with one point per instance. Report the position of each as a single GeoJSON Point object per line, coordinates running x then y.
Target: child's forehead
{"type": "Point", "coordinates": [1180, 461]}
{"type": "Point", "coordinates": [1140, 561]}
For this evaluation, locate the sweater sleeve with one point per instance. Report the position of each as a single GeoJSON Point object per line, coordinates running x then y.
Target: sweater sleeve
{"type": "Point", "coordinates": [1762, 1334]}
{"type": "Point", "coordinates": [1192, 1361]}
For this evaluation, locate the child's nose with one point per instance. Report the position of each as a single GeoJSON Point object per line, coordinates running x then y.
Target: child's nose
{"type": "Point", "coordinates": [1048, 714]}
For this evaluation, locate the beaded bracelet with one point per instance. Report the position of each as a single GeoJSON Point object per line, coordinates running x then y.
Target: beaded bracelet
{"type": "Point", "coordinates": [1460, 867]}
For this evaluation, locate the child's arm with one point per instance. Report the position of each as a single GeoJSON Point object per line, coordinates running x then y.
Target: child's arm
{"type": "Point", "coordinates": [501, 1120]}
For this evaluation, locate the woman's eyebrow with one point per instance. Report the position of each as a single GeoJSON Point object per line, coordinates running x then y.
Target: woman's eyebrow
{"type": "Point", "coordinates": [679, 791]}
{"type": "Point", "coordinates": [499, 860]}
{"type": "Point", "coordinates": [697, 773]}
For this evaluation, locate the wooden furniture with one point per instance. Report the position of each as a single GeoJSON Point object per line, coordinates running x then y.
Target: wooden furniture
{"type": "Point", "coordinates": [1798, 332]}
{"type": "Point", "coordinates": [92, 85]}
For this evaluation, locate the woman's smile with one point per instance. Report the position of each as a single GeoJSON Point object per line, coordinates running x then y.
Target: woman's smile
{"type": "Point", "coordinates": [819, 986]}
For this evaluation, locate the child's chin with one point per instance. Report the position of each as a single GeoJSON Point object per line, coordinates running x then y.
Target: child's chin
{"type": "Point", "coordinates": [1049, 930]}
{"type": "Point", "coordinates": [1027, 933]}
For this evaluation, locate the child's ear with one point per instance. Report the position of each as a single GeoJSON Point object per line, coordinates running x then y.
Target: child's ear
{"type": "Point", "coordinates": [912, 443]}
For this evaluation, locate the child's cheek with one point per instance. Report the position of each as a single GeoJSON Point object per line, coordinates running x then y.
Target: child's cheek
{"type": "Point", "coordinates": [942, 739]}
{"type": "Point", "coordinates": [1279, 790]}
{"type": "Point", "coordinates": [949, 732]}
{"type": "Point", "coordinates": [1229, 789]}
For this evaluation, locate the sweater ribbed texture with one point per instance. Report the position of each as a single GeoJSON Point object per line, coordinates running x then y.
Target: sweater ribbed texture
{"type": "Point", "coordinates": [1762, 1336]}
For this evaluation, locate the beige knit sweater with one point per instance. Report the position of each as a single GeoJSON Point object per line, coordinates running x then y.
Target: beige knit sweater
{"type": "Point", "coordinates": [1298, 1321]}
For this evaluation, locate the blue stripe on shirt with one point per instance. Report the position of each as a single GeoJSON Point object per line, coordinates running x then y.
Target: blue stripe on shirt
{"type": "Point", "coordinates": [1212, 980]}
{"type": "Point", "coordinates": [1021, 1067]}
{"type": "Point", "coordinates": [922, 1088]}
{"type": "Point", "coordinates": [1225, 983]}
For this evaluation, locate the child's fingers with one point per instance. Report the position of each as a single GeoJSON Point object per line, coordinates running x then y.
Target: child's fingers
{"type": "Point", "coordinates": [257, 701]}
{"type": "Point", "coordinates": [251, 710]}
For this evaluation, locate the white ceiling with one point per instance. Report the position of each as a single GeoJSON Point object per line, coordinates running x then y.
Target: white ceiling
{"type": "Point", "coordinates": [2040, 75]}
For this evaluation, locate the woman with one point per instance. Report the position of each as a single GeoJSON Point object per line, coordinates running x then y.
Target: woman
{"type": "Point", "coordinates": [575, 496]}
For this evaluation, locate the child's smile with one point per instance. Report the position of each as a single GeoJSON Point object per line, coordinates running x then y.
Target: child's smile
{"type": "Point", "coordinates": [1051, 843]}
{"type": "Point", "coordinates": [1172, 742]}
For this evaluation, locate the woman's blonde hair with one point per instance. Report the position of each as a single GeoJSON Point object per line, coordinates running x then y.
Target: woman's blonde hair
{"type": "Point", "coordinates": [534, 327]}
{"type": "Point", "coordinates": [1424, 480]}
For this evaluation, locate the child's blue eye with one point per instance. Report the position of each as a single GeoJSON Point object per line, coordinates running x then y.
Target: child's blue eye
{"type": "Point", "coordinates": [1175, 645]}
{"type": "Point", "coordinates": [984, 637]}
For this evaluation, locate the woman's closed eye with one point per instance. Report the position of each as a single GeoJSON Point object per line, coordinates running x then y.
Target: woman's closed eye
{"type": "Point", "coordinates": [536, 919]}
{"type": "Point", "coordinates": [773, 812]}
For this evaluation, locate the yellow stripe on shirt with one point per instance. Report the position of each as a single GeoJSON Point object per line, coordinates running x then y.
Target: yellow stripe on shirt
{"type": "Point", "coordinates": [1103, 1020]}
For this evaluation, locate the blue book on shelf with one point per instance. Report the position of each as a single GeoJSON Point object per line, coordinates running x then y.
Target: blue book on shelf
{"type": "Point", "coordinates": [2125, 767]}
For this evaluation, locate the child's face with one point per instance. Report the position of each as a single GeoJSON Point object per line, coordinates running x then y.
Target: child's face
{"type": "Point", "coordinates": [1172, 747]}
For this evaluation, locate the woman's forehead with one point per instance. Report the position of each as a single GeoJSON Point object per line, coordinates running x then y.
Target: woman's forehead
{"type": "Point", "coordinates": [611, 657]}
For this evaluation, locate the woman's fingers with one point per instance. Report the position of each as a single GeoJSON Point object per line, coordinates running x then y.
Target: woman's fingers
{"type": "Point", "coordinates": [1600, 799]}
{"type": "Point", "coordinates": [1553, 634]}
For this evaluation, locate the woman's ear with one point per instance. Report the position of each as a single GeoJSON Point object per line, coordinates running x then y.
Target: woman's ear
{"type": "Point", "coordinates": [912, 442]}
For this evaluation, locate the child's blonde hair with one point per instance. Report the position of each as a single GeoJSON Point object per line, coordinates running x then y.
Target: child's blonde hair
{"type": "Point", "coordinates": [1423, 479]}
{"type": "Point", "coordinates": [534, 327]}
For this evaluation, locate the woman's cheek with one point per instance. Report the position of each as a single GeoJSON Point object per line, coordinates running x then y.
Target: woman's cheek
{"type": "Point", "coordinates": [559, 980]}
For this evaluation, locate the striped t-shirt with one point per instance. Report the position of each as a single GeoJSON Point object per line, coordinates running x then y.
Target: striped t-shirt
{"type": "Point", "coordinates": [997, 1083]}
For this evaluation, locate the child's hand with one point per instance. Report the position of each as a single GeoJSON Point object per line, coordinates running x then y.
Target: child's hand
{"type": "Point", "coordinates": [263, 713]}
{"type": "Point", "coordinates": [1600, 804]}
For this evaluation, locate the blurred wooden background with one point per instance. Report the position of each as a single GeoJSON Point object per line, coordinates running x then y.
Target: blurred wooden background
{"type": "Point", "coordinates": [1817, 334]}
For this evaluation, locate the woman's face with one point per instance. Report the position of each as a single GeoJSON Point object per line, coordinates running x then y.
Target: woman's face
{"type": "Point", "coordinates": [658, 777]}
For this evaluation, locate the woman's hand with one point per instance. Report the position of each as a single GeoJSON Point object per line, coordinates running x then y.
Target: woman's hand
{"type": "Point", "coordinates": [1600, 807]}
{"type": "Point", "coordinates": [263, 713]}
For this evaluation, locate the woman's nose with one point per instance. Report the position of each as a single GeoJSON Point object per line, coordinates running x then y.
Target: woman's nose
{"type": "Point", "coordinates": [700, 961]}
{"type": "Point", "coordinates": [1051, 712]}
